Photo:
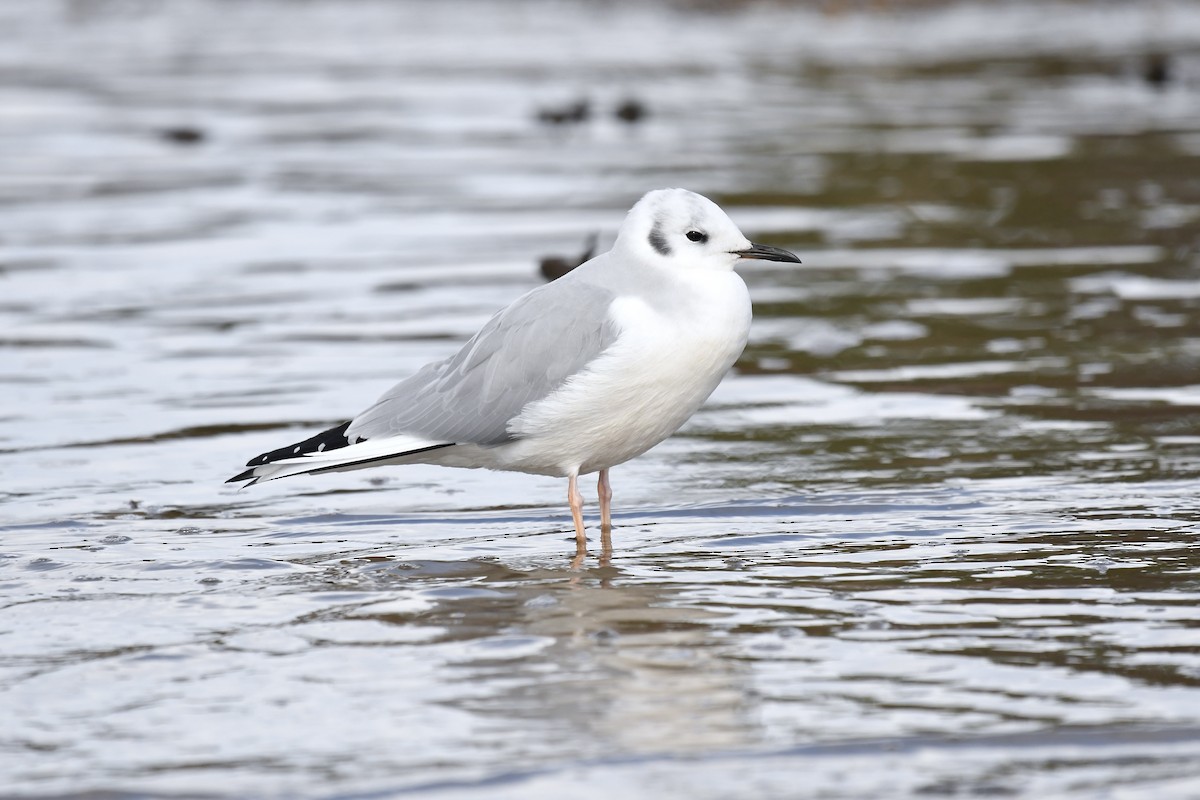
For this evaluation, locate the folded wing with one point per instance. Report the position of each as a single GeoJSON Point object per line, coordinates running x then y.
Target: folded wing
{"type": "Point", "coordinates": [523, 353]}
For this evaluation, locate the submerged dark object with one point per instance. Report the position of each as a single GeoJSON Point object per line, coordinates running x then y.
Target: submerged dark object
{"type": "Point", "coordinates": [1156, 70]}
{"type": "Point", "coordinates": [631, 110]}
{"type": "Point", "coordinates": [182, 134]}
{"type": "Point", "coordinates": [554, 267]}
{"type": "Point", "coordinates": [577, 111]}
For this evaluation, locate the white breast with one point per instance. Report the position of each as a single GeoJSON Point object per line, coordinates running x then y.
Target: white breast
{"type": "Point", "coordinates": [664, 364]}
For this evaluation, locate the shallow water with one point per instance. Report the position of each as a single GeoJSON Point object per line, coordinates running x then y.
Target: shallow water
{"type": "Point", "coordinates": [933, 537]}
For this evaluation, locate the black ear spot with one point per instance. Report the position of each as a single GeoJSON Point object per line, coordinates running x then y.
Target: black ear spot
{"type": "Point", "coordinates": [658, 241]}
{"type": "Point", "coordinates": [697, 236]}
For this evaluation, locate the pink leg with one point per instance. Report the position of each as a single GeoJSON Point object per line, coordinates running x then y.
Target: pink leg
{"type": "Point", "coordinates": [575, 500]}
{"type": "Point", "coordinates": [605, 492]}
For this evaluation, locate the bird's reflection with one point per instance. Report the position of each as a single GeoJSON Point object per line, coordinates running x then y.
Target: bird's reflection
{"type": "Point", "coordinates": [606, 551]}
{"type": "Point", "coordinates": [619, 660]}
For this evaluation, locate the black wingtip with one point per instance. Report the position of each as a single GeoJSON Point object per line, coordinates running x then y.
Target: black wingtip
{"type": "Point", "coordinates": [331, 439]}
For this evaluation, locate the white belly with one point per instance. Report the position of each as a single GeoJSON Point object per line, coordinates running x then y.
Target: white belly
{"type": "Point", "coordinates": [645, 386]}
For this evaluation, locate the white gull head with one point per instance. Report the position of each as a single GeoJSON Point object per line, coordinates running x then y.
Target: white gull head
{"type": "Point", "coordinates": [675, 228]}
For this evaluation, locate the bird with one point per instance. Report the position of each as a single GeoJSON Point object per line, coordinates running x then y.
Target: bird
{"type": "Point", "coordinates": [574, 377]}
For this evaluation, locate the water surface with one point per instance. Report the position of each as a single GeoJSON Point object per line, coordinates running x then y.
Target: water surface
{"type": "Point", "coordinates": [933, 537]}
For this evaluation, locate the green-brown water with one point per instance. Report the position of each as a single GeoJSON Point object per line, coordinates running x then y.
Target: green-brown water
{"type": "Point", "coordinates": [935, 535]}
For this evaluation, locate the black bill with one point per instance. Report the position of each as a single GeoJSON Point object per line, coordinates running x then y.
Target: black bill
{"type": "Point", "coordinates": [764, 252]}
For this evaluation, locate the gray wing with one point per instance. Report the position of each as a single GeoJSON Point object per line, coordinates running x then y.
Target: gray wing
{"type": "Point", "coordinates": [522, 354]}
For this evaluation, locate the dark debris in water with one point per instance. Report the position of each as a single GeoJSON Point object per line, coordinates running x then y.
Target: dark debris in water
{"type": "Point", "coordinates": [183, 135]}
{"type": "Point", "coordinates": [571, 113]}
{"type": "Point", "coordinates": [631, 111]}
{"type": "Point", "coordinates": [554, 267]}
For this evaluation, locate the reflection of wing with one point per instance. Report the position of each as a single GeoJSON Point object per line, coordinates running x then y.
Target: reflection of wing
{"type": "Point", "coordinates": [522, 354]}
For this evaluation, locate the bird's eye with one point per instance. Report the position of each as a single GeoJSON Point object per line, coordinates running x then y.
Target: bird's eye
{"type": "Point", "coordinates": [697, 236]}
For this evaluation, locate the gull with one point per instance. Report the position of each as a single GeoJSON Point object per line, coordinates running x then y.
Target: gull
{"type": "Point", "coordinates": [574, 377]}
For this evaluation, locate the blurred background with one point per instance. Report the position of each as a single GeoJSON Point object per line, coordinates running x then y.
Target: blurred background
{"type": "Point", "coordinates": [933, 536]}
